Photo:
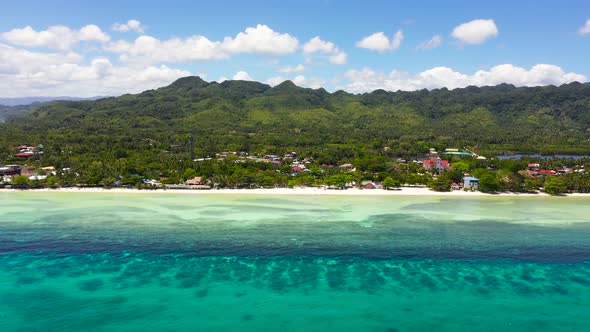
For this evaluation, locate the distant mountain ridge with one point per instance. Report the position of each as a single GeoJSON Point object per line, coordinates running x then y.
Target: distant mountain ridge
{"type": "Point", "coordinates": [251, 116]}
{"type": "Point", "coordinates": [30, 100]}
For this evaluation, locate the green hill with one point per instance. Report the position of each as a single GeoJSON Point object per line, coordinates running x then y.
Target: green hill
{"type": "Point", "coordinates": [254, 117]}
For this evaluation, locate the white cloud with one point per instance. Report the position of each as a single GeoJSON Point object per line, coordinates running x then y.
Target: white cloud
{"type": "Point", "coordinates": [397, 40]}
{"type": "Point", "coordinates": [299, 80]}
{"type": "Point", "coordinates": [334, 54]}
{"type": "Point", "coordinates": [292, 69]}
{"type": "Point", "coordinates": [380, 43]}
{"type": "Point", "coordinates": [131, 25]}
{"type": "Point", "coordinates": [475, 32]}
{"type": "Point", "coordinates": [585, 29]}
{"type": "Point", "coordinates": [242, 76]}
{"type": "Point", "coordinates": [367, 80]}
{"type": "Point", "coordinates": [316, 44]}
{"type": "Point", "coordinates": [433, 42]}
{"type": "Point", "coordinates": [339, 58]}
{"type": "Point", "coordinates": [16, 61]}
{"type": "Point", "coordinates": [275, 80]}
{"type": "Point", "coordinates": [314, 83]}
{"type": "Point", "coordinates": [26, 73]}
{"type": "Point", "coordinates": [259, 40]}
{"type": "Point", "coordinates": [55, 37]}
{"type": "Point", "coordinates": [93, 33]}
{"type": "Point", "coordinates": [149, 49]}
{"type": "Point", "coordinates": [376, 42]}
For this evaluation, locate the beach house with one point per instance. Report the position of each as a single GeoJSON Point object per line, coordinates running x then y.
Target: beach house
{"type": "Point", "coordinates": [470, 183]}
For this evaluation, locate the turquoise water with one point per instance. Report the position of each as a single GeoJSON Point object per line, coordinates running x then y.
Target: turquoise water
{"type": "Point", "coordinates": [162, 262]}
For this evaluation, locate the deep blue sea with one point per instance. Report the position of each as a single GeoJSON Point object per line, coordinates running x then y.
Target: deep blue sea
{"type": "Point", "coordinates": [215, 262]}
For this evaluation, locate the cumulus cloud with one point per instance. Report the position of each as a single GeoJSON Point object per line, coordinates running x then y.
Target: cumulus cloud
{"type": "Point", "coordinates": [339, 58]}
{"type": "Point", "coordinates": [261, 40]}
{"type": "Point", "coordinates": [299, 80]}
{"type": "Point", "coordinates": [26, 73]}
{"type": "Point", "coordinates": [367, 80]}
{"type": "Point", "coordinates": [433, 42]}
{"type": "Point", "coordinates": [317, 45]}
{"type": "Point", "coordinates": [242, 76]}
{"type": "Point", "coordinates": [55, 37]}
{"type": "Point", "coordinates": [475, 32]}
{"type": "Point", "coordinates": [131, 25]}
{"type": "Point", "coordinates": [18, 61]}
{"type": "Point", "coordinates": [585, 29]}
{"type": "Point", "coordinates": [149, 49]}
{"type": "Point", "coordinates": [380, 42]}
{"type": "Point", "coordinates": [258, 40]}
{"type": "Point", "coordinates": [292, 69]}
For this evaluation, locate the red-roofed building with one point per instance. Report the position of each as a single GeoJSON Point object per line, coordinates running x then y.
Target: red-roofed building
{"type": "Point", "coordinates": [436, 165]}
{"type": "Point", "coordinates": [547, 172]}
{"type": "Point", "coordinates": [194, 181]}
{"type": "Point", "coordinates": [296, 169]}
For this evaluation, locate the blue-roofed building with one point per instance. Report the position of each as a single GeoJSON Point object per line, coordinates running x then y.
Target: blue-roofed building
{"type": "Point", "coordinates": [470, 183]}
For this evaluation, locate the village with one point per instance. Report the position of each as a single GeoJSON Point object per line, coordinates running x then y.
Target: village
{"type": "Point", "coordinates": [433, 165]}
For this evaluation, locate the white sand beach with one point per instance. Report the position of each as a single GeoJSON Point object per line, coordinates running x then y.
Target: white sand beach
{"type": "Point", "coordinates": [404, 191]}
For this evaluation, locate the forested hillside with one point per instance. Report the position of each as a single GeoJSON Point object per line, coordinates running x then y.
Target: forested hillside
{"type": "Point", "coordinates": [8, 112]}
{"type": "Point", "coordinates": [257, 118]}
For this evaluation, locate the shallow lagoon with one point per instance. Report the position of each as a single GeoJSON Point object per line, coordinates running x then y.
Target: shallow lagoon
{"type": "Point", "coordinates": [163, 262]}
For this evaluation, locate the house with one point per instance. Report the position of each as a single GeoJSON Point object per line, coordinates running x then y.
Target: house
{"type": "Point", "coordinates": [347, 167]}
{"type": "Point", "coordinates": [455, 186]}
{"type": "Point", "coordinates": [296, 170]}
{"type": "Point", "coordinates": [10, 170]}
{"type": "Point", "coordinates": [369, 185]}
{"type": "Point", "coordinates": [28, 171]}
{"type": "Point", "coordinates": [470, 183]}
{"type": "Point", "coordinates": [533, 167]}
{"type": "Point", "coordinates": [197, 180]}
{"type": "Point", "coordinates": [26, 151]}
{"type": "Point", "coordinates": [49, 170]}
{"type": "Point", "coordinates": [152, 182]}
{"type": "Point", "coordinates": [547, 172]}
{"type": "Point", "coordinates": [436, 165]}
{"type": "Point", "coordinates": [564, 170]}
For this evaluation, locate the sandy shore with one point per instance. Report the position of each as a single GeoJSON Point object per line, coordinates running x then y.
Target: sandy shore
{"type": "Point", "coordinates": [405, 191]}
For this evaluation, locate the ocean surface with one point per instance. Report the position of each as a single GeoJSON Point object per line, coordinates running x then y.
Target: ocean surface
{"type": "Point", "coordinates": [165, 262]}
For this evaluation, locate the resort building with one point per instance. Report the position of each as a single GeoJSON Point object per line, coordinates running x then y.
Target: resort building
{"type": "Point", "coordinates": [436, 165]}
{"type": "Point", "coordinates": [470, 183]}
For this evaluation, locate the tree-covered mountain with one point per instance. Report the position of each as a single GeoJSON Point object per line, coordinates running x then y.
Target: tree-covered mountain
{"type": "Point", "coordinates": [23, 101]}
{"type": "Point", "coordinates": [258, 118]}
{"type": "Point", "coordinates": [8, 111]}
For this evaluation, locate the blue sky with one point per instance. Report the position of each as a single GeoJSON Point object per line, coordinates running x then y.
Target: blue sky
{"type": "Point", "coordinates": [472, 43]}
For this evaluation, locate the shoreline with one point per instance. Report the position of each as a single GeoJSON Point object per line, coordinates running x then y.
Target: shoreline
{"type": "Point", "coordinates": [404, 191]}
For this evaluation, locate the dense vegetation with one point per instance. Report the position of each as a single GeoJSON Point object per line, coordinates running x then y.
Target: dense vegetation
{"type": "Point", "coordinates": [9, 112]}
{"type": "Point", "coordinates": [148, 134]}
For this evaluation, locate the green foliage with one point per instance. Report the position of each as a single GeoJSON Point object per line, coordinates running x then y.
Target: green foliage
{"type": "Point", "coordinates": [339, 180]}
{"type": "Point", "coordinates": [554, 185]}
{"type": "Point", "coordinates": [52, 182]}
{"type": "Point", "coordinates": [440, 183]}
{"type": "Point", "coordinates": [390, 183]}
{"type": "Point", "coordinates": [20, 180]}
{"type": "Point", "coordinates": [488, 183]}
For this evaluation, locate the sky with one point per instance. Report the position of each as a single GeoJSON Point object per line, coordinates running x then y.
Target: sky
{"type": "Point", "coordinates": [98, 48]}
